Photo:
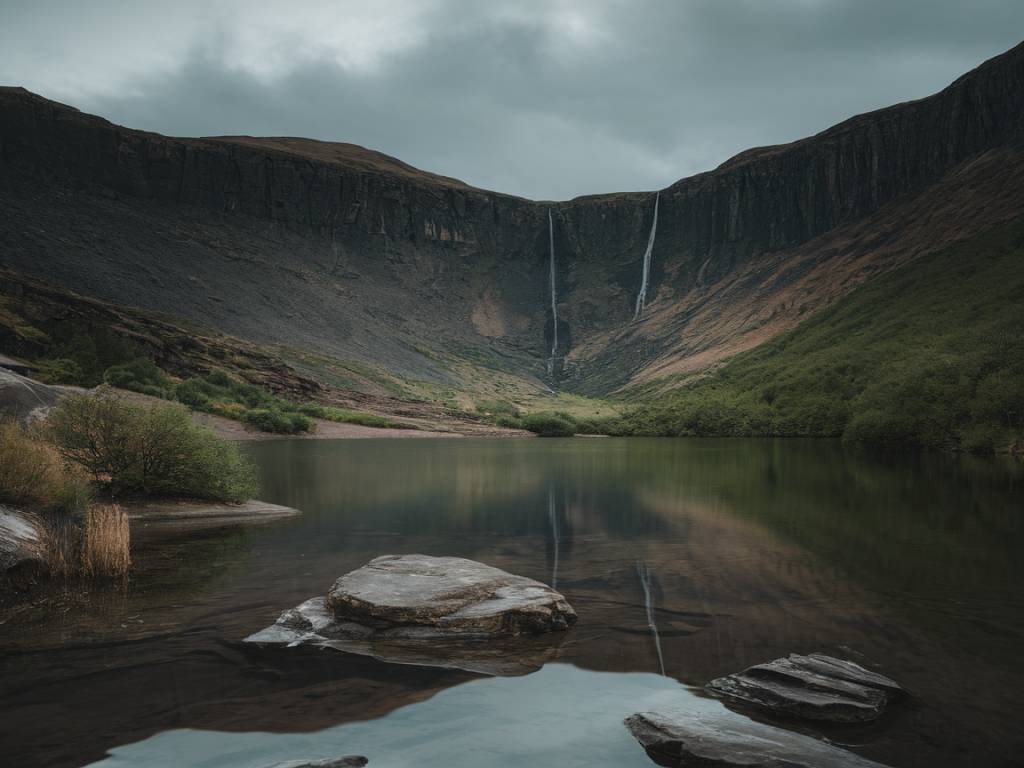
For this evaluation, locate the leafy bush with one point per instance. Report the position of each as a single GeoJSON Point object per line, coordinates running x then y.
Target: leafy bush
{"type": "Point", "coordinates": [58, 370]}
{"type": "Point", "coordinates": [549, 424]}
{"type": "Point", "coordinates": [155, 451]}
{"type": "Point", "coordinates": [280, 422]}
{"type": "Point", "coordinates": [140, 375]}
{"type": "Point", "coordinates": [33, 474]}
{"type": "Point", "coordinates": [509, 422]}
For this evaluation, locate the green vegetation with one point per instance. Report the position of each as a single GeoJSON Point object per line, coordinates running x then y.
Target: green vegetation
{"type": "Point", "coordinates": [930, 355]}
{"type": "Point", "coordinates": [139, 375]}
{"type": "Point", "coordinates": [543, 423]}
{"type": "Point", "coordinates": [158, 451]}
{"type": "Point", "coordinates": [82, 356]}
{"type": "Point", "coordinates": [550, 424]}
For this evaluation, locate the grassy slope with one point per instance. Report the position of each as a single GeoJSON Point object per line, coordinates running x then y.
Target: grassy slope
{"type": "Point", "coordinates": [931, 354]}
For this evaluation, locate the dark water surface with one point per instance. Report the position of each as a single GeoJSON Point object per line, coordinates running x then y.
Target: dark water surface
{"type": "Point", "coordinates": [746, 550]}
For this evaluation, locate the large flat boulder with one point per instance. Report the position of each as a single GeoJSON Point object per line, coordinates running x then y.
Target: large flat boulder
{"type": "Point", "coordinates": [432, 611]}
{"type": "Point", "coordinates": [725, 738]}
{"type": "Point", "coordinates": [449, 595]}
{"type": "Point", "coordinates": [351, 761]}
{"type": "Point", "coordinates": [814, 687]}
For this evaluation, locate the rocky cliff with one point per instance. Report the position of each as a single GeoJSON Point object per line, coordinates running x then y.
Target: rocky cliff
{"type": "Point", "coordinates": [340, 249]}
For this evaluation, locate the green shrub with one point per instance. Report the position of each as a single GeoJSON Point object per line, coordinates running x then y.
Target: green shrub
{"type": "Point", "coordinates": [549, 424]}
{"type": "Point", "coordinates": [140, 375]}
{"type": "Point", "coordinates": [509, 422]}
{"type": "Point", "coordinates": [279, 422]}
{"type": "Point", "coordinates": [58, 370]}
{"type": "Point", "coordinates": [155, 451]}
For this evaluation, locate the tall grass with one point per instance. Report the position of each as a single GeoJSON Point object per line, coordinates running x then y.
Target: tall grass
{"type": "Point", "coordinates": [106, 541]}
{"type": "Point", "coordinates": [33, 474]}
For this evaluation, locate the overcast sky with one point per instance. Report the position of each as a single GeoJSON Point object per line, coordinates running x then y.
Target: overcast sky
{"type": "Point", "coordinates": [543, 99]}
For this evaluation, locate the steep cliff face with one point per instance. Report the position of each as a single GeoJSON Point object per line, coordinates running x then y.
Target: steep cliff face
{"type": "Point", "coordinates": [341, 249]}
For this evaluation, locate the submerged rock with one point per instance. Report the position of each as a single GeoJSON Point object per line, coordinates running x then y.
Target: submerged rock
{"type": "Point", "coordinates": [352, 761]}
{"type": "Point", "coordinates": [816, 687]}
{"type": "Point", "coordinates": [431, 611]}
{"type": "Point", "coordinates": [725, 738]}
{"type": "Point", "coordinates": [174, 516]}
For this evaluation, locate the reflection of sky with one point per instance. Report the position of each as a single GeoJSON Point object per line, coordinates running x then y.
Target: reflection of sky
{"type": "Point", "coordinates": [561, 716]}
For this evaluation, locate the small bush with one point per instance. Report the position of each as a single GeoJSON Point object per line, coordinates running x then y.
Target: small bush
{"type": "Point", "coordinates": [278, 422]}
{"type": "Point", "coordinates": [157, 451]}
{"type": "Point", "coordinates": [58, 370]}
{"type": "Point", "coordinates": [550, 424]}
{"type": "Point", "coordinates": [140, 375]}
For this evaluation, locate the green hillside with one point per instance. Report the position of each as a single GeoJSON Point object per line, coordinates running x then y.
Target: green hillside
{"type": "Point", "coordinates": [930, 355]}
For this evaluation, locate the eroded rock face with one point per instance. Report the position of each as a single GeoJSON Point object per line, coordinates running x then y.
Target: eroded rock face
{"type": "Point", "coordinates": [815, 687]}
{"type": "Point", "coordinates": [432, 611]}
{"type": "Point", "coordinates": [725, 738]}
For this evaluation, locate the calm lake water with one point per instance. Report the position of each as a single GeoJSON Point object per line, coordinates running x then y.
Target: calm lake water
{"type": "Point", "coordinates": [750, 550]}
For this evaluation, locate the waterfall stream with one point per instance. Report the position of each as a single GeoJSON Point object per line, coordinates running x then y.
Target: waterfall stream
{"type": "Point", "coordinates": [644, 572]}
{"type": "Point", "coordinates": [552, 516]}
{"type": "Point", "coordinates": [641, 298]}
{"type": "Point", "coordinates": [554, 296]}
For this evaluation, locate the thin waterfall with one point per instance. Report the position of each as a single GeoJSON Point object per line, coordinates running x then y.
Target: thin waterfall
{"type": "Point", "coordinates": [644, 572]}
{"type": "Point", "coordinates": [641, 298]}
{"type": "Point", "coordinates": [554, 297]}
{"type": "Point", "coordinates": [554, 535]}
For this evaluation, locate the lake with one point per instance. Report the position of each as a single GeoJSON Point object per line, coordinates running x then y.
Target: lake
{"type": "Point", "coordinates": [685, 560]}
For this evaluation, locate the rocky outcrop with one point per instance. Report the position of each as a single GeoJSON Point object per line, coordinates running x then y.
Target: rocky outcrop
{"type": "Point", "coordinates": [315, 244]}
{"type": "Point", "coordinates": [431, 611]}
{"type": "Point", "coordinates": [21, 547]}
{"type": "Point", "coordinates": [724, 738]}
{"type": "Point", "coordinates": [814, 687]}
{"type": "Point", "coordinates": [25, 400]}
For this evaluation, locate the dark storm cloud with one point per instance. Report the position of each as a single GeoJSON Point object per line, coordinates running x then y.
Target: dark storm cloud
{"type": "Point", "coordinates": [546, 100]}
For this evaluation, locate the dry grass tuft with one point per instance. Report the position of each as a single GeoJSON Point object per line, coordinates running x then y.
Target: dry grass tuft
{"type": "Point", "coordinates": [106, 542]}
{"type": "Point", "coordinates": [34, 475]}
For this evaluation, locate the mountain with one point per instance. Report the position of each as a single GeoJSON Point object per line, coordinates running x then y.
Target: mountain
{"type": "Point", "coordinates": [344, 252]}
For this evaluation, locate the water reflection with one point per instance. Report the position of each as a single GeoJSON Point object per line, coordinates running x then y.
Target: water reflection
{"type": "Point", "coordinates": [689, 558]}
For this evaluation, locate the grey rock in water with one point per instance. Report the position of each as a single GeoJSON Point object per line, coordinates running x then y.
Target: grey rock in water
{"type": "Point", "coordinates": [815, 687]}
{"type": "Point", "coordinates": [20, 544]}
{"type": "Point", "coordinates": [724, 738]}
{"type": "Point", "coordinates": [351, 761]}
{"type": "Point", "coordinates": [449, 595]}
{"type": "Point", "coordinates": [431, 611]}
